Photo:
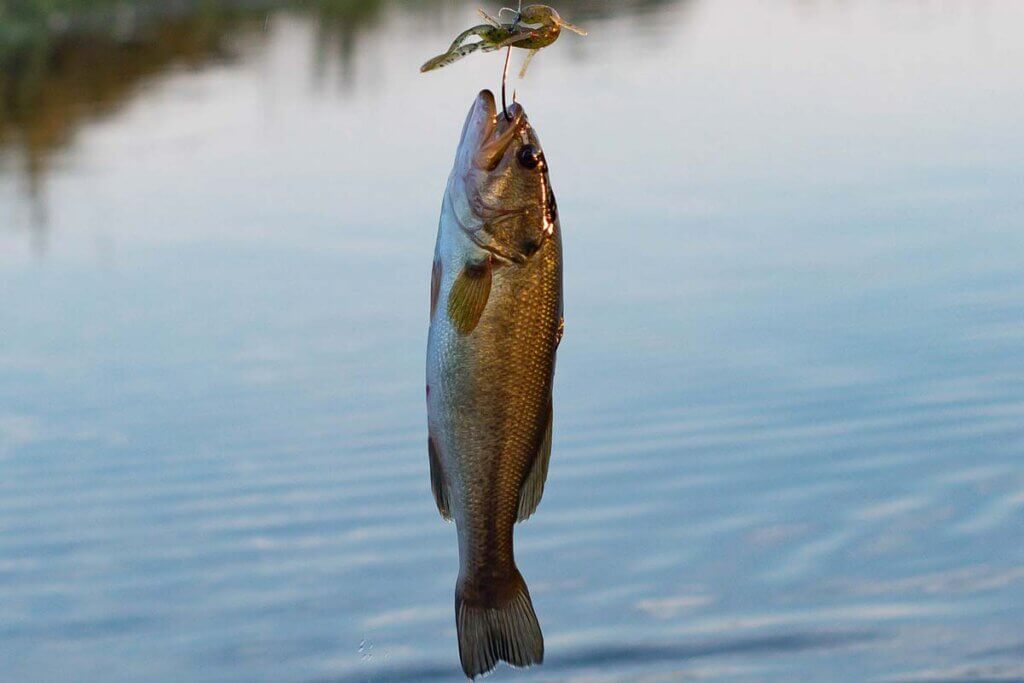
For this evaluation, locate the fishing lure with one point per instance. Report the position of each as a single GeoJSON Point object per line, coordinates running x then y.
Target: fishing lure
{"type": "Point", "coordinates": [532, 28]}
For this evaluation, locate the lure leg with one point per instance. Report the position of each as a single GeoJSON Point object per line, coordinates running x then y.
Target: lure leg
{"type": "Point", "coordinates": [483, 31]}
{"type": "Point", "coordinates": [450, 57]}
{"type": "Point", "coordinates": [526, 62]}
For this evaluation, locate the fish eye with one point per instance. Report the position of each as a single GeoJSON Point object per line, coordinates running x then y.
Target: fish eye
{"type": "Point", "coordinates": [529, 156]}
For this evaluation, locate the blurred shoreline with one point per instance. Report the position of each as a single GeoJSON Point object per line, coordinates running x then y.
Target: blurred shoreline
{"type": "Point", "coordinates": [66, 63]}
{"type": "Point", "coordinates": [63, 61]}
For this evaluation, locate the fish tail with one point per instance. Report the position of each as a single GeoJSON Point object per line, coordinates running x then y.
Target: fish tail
{"type": "Point", "coordinates": [499, 625]}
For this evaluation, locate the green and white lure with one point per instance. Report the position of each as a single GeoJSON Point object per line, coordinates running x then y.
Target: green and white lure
{"type": "Point", "coordinates": [532, 28]}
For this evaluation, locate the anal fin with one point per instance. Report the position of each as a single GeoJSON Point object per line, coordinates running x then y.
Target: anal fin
{"type": "Point", "coordinates": [533, 488]}
{"type": "Point", "coordinates": [437, 481]}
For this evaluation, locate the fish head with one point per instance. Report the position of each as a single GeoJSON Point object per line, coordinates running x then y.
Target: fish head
{"type": "Point", "coordinates": [500, 187]}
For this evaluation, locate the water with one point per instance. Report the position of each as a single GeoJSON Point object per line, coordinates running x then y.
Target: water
{"type": "Point", "coordinates": [789, 403]}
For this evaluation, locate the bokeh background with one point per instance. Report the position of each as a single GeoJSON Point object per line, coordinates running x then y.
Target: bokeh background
{"type": "Point", "coordinates": [790, 400]}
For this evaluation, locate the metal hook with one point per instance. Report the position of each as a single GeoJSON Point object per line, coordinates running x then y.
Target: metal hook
{"type": "Point", "coordinates": [517, 12]}
{"type": "Point", "coordinates": [508, 57]}
{"type": "Point", "coordinates": [504, 80]}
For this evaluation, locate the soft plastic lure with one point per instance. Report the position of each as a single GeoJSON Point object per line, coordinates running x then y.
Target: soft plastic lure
{"type": "Point", "coordinates": [532, 28]}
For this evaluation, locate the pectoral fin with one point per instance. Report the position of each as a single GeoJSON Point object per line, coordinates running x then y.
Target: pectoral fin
{"type": "Point", "coordinates": [437, 481]}
{"type": "Point", "coordinates": [533, 488]}
{"type": "Point", "coordinates": [468, 298]}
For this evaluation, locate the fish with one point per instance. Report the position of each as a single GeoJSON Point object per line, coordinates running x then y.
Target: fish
{"type": "Point", "coordinates": [496, 321]}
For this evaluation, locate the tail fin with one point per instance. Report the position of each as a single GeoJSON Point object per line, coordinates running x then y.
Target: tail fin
{"type": "Point", "coordinates": [507, 631]}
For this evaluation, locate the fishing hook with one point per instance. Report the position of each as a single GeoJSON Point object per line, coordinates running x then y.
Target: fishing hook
{"type": "Point", "coordinates": [508, 57]}
{"type": "Point", "coordinates": [504, 79]}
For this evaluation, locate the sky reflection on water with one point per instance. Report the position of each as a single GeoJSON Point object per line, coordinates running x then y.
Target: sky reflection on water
{"type": "Point", "coordinates": [790, 396]}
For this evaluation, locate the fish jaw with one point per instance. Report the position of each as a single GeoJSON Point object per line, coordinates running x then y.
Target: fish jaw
{"type": "Point", "coordinates": [485, 137]}
{"type": "Point", "coordinates": [482, 146]}
{"type": "Point", "coordinates": [499, 190]}
{"type": "Point", "coordinates": [480, 122]}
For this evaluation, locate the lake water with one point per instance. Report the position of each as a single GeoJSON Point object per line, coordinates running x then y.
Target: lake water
{"type": "Point", "coordinates": [789, 417]}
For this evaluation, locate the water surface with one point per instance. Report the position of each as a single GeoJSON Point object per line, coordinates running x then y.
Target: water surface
{"type": "Point", "coordinates": [790, 399]}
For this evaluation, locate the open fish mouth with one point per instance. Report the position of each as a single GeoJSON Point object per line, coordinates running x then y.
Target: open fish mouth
{"type": "Point", "coordinates": [487, 161]}
{"type": "Point", "coordinates": [503, 133]}
{"type": "Point", "coordinates": [488, 135]}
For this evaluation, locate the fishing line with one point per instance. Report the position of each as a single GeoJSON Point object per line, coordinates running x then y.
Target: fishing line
{"type": "Point", "coordinates": [508, 58]}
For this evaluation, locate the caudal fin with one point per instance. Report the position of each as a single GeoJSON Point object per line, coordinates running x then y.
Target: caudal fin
{"type": "Point", "coordinates": [489, 633]}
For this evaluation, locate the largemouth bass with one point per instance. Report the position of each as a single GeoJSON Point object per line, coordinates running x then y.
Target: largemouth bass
{"type": "Point", "coordinates": [495, 324]}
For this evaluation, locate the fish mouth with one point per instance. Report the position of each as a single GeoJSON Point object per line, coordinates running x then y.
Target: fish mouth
{"type": "Point", "coordinates": [487, 135]}
{"type": "Point", "coordinates": [503, 134]}
{"type": "Point", "coordinates": [487, 138]}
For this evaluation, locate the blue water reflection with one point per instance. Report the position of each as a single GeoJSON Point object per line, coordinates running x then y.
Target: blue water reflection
{"type": "Point", "coordinates": [790, 396]}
